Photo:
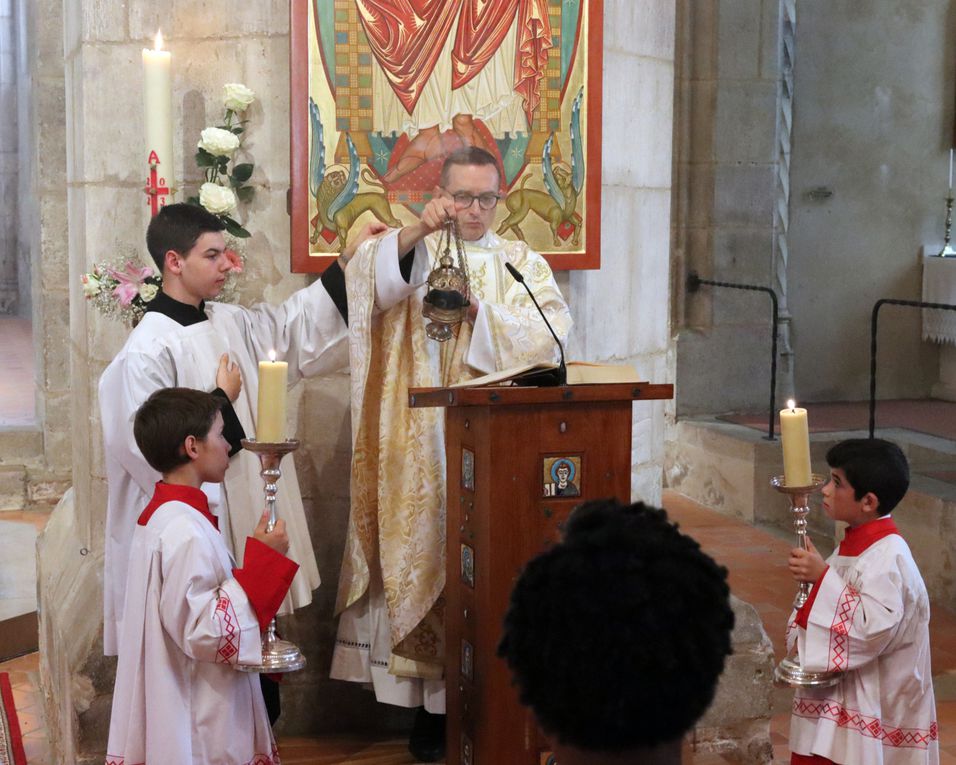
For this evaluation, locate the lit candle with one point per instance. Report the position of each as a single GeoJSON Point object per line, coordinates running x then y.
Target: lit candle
{"type": "Point", "coordinates": [795, 436]}
{"type": "Point", "coordinates": [158, 100]}
{"type": "Point", "coordinates": [273, 384]}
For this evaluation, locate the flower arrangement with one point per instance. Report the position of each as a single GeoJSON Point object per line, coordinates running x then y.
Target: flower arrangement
{"type": "Point", "coordinates": [123, 291]}
{"type": "Point", "coordinates": [222, 190]}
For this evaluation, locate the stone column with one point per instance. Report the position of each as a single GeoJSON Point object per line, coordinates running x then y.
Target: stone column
{"type": "Point", "coordinates": [621, 312]}
{"type": "Point", "coordinates": [9, 285]}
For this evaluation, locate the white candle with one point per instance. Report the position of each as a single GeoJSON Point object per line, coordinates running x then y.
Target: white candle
{"type": "Point", "coordinates": [795, 437]}
{"type": "Point", "coordinates": [158, 101]}
{"type": "Point", "coordinates": [273, 385]}
{"type": "Point", "coordinates": [950, 169]}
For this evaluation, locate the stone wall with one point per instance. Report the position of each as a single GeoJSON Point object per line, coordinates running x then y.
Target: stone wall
{"type": "Point", "coordinates": [620, 311]}
{"type": "Point", "coordinates": [9, 284]}
{"type": "Point", "coordinates": [726, 97]}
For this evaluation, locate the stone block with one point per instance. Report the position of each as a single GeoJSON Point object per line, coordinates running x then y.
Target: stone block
{"type": "Point", "coordinates": [701, 179]}
{"type": "Point", "coordinates": [103, 21]}
{"type": "Point", "coordinates": [648, 314]}
{"type": "Point", "coordinates": [644, 27]}
{"type": "Point", "coordinates": [13, 489]}
{"type": "Point", "coordinates": [770, 40]}
{"type": "Point", "coordinates": [640, 118]}
{"type": "Point", "coordinates": [746, 121]}
{"type": "Point", "coordinates": [53, 337]}
{"type": "Point", "coordinates": [53, 256]}
{"type": "Point", "coordinates": [50, 135]}
{"type": "Point", "coordinates": [702, 19]}
{"type": "Point", "coordinates": [702, 119]}
{"type": "Point", "coordinates": [744, 195]}
{"type": "Point", "coordinates": [738, 39]}
{"type": "Point", "coordinates": [183, 20]}
{"type": "Point", "coordinates": [20, 446]}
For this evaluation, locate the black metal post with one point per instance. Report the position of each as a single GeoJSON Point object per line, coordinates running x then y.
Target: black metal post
{"type": "Point", "coordinates": [874, 319]}
{"type": "Point", "coordinates": [693, 284]}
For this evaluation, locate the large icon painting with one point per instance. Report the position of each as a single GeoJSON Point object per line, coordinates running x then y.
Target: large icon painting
{"type": "Point", "coordinates": [383, 90]}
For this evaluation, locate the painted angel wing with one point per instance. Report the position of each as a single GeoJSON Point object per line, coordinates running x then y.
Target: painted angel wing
{"type": "Point", "coordinates": [577, 144]}
{"type": "Point", "coordinates": [350, 189]}
{"type": "Point", "coordinates": [548, 172]}
{"type": "Point", "coordinates": [317, 154]}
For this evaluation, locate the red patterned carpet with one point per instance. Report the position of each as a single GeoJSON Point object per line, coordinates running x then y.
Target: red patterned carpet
{"type": "Point", "coordinates": [929, 416]}
{"type": "Point", "coordinates": [11, 743]}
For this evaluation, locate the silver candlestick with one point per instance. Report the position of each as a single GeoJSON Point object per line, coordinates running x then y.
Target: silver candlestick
{"type": "Point", "coordinates": [277, 655]}
{"type": "Point", "coordinates": [947, 251]}
{"type": "Point", "coordinates": [789, 671]}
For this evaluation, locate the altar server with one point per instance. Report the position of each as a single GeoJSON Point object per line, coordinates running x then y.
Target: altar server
{"type": "Point", "coordinates": [868, 617]}
{"type": "Point", "coordinates": [191, 616]}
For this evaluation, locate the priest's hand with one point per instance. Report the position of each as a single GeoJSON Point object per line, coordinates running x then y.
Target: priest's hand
{"type": "Point", "coordinates": [277, 539]}
{"type": "Point", "coordinates": [806, 565]}
{"type": "Point", "coordinates": [228, 377]}
{"type": "Point", "coordinates": [439, 209]}
{"type": "Point", "coordinates": [375, 228]}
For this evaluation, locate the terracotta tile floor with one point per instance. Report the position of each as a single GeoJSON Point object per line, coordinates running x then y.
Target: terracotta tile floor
{"type": "Point", "coordinates": [756, 563]}
{"type": "Point", "coordinates": [17, 387]}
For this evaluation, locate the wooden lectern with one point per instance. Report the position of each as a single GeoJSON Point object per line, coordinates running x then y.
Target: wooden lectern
{"type": "Point", "coordinates": [519, 460]}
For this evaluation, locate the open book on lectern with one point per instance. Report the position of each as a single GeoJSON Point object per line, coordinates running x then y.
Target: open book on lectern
{"type": "Point", "coordinates": [579, 373]}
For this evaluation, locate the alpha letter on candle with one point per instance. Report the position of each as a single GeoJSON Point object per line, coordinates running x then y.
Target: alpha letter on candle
{"type": "Point", "coordinates": [795, 436]}
{"type": "Point", "coordinates": [158, 99]}
{"type": "Point", "coordinates": [273, 383]}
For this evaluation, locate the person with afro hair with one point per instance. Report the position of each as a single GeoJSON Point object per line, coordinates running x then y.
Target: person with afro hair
{"type": "Point", "coordinates": [616, 637]}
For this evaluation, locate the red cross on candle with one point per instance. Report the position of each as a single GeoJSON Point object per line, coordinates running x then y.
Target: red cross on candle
{"type": "Point", "coordinates": [156, 188]}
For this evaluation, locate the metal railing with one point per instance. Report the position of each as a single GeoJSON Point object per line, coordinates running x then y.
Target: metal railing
{"type": "Point", "coordinates": [874, 319]}
{"type": "Point", "coordinates": [694, 283]}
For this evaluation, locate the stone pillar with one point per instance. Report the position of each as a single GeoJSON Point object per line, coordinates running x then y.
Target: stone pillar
{"type": "Point", "coordinates": [726, 161]}
{"type": "Point", "coordinates": [9, 285]}
{"type": "Point", "coordinates": [621, 312]}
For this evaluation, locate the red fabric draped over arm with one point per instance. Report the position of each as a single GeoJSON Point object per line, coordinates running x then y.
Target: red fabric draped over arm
{"type": "Point", "coordinates": [531, 54]}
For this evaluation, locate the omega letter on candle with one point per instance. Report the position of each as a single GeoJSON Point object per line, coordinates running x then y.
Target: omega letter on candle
{"type": "Point", "coordinates": [273, 382]}
{"type": "Point", "coordinates": [795, 437]}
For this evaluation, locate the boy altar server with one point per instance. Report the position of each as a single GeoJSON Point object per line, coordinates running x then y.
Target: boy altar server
{"type": "Point", "coordinates": [183, 340]}
{"type": "Point", "coordinates": [191, 617]}
{"type": "Point", "coordinates": [868, 617]}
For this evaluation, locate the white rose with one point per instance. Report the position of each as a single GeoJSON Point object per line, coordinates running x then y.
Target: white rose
{"type": "Point", "coordinates": [219, 142]}
{"type": "Point", "coordinates": [217, 199]}
{"type": "Point", "coordinates": [148, 291]}
{"type": "Point", "coordinates": [237, 96]}
{"type": "Point", "coordinates": [91, 285]}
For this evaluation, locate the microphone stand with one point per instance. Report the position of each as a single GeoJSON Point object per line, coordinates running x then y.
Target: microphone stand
{"type": "Point", "coordinates": [547, 378]}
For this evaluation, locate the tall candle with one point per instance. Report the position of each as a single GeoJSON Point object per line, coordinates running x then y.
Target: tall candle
{"type": "Point", "coordinates": [158, 100]}
{"type": "Point", "coordinates": [795, 436]}
{"type": "Point", "coordinates": [273, 384]}
{"type": "Point", "coordinates": [950, 169]}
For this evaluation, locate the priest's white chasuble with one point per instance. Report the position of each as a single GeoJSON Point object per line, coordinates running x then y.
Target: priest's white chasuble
{"type": "Point", "coordinates": [306, 331]}
{"type": "Point", "coordinates": [391, 631]}
{"type": "Point", "coordinates": [868, 616]}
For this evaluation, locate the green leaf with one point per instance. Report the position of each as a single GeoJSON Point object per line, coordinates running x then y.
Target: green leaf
{"type": "Point", "coordinates": [238, 130]}
{"type": "Point", "coordinates": [234, 228]}
{"type": "Point", "coordinates": [242, 173]}
{"type": "Point", "coordinates": [245, 193]}
{"type": "Point", "coordinates": [193, 201]}
{"type": "Point", "coordinates": [205, 159]}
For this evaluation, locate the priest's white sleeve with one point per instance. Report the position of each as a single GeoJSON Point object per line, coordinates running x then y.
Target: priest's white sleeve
{"type": "Point", "coordinates": [390, 286]}
{"type": "Point", "coordinates": [209, 620]}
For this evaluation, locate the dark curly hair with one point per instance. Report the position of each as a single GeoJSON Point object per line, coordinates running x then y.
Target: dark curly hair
{"type": "Point", "coordinates": [873, 465]}
{"type": "Point", "coordinates": [616, 636]}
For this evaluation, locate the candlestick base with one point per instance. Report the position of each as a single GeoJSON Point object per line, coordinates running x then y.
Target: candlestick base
{"type": "Point", "coordinates": [277, 655]}
{"type": "Point", "coordinates": [789, 671]}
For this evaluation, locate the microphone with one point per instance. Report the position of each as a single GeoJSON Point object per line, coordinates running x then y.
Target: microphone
{"type": "Point", "coordinates": [549, 377]}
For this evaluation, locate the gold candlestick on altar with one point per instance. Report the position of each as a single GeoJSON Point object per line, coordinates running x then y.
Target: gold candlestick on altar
{"type": "Point", "coordinates": [277, 655]}
{"type": "Point", "coordinates": [789, 671]}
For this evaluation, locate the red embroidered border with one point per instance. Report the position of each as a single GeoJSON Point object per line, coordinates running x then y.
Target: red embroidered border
{"type": "Point", "coordinates": [228, 649]}
{"type": "Point", "coordinates": [839, 658]}
{"type": "Point", "coordinates": [865, 725]}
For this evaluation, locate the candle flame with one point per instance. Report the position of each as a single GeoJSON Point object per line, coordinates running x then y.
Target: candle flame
{"type": "Point", "coordinates": [791, 404]}
{"type": "Point", "coordinates": [158, 42]}
{"type": "Point", "coordinates": [272, 355]}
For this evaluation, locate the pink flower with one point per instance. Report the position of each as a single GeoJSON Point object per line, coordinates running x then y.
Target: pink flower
{"type": "Point", "coordinates": [234, 260]}
{"type": "Point", "coordinates": [129, 281]}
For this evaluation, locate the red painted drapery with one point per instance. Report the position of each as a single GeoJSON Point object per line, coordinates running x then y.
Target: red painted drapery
{"type": "Point", "coordinates": [407, 36]}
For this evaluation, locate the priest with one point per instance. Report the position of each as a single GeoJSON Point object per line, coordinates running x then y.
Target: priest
{"type": "Point", "coordinates": [391, 631]}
